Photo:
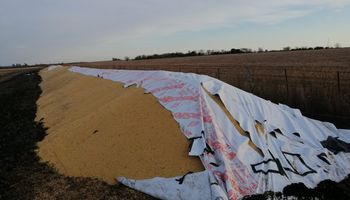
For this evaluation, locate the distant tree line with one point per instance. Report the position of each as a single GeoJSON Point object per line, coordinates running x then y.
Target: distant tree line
{"type": "Point", "coordinates": [26, 65]}
{"type": "Point", "coordinates": [20, 65]}
{"type": "Point", "coordinates": [187, 54]}
{"type": "Point", "coordinates": [193, 53]}
{"type": "Point", "coordinates": [306, 48]}
{"type": "Point", "coordinates": [36, 65]}
{"type": "Point", "coordinates": [219, 52]}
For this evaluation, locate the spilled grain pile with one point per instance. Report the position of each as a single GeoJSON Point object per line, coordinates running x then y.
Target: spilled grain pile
{"type": "Point", "coordinates": [97, 128]}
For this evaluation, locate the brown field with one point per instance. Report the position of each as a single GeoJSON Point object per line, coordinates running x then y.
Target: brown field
{"type": "Point", "coordinates": [8, 73]}
{"type": "Point", "coordinates": [309, 59]}
{"type": "Point", "coordinates": [315, 81]}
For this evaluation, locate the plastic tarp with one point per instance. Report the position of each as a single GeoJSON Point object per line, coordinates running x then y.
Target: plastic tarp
{"type": "Point", "coordinates": [287, 148]}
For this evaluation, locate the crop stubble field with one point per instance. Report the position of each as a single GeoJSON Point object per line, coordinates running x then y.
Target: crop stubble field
{"type": "Point", "coordinates": [315, 81]}
{"type": "Point", "coordinates": [8, 73]}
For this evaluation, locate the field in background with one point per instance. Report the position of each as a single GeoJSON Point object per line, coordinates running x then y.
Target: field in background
{"type": "Point", "coordinates": [315, 81]}
{"type": "Point", "coordinates": [8, 73]}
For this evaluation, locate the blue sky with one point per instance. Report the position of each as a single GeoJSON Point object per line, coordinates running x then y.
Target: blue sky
{"type": "Point", "coordinates": [46, 31]}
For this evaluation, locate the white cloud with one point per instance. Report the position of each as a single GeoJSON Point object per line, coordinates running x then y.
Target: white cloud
{"type": "Point", "coordinates": [173, 16]}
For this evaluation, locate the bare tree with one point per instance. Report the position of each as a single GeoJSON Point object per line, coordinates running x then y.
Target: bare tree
{"type": "Point", "coordinates": [286, 48]}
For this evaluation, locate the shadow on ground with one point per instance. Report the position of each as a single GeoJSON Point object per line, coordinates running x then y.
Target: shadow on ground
{"type": "Point", "coordinates": [22, 176]}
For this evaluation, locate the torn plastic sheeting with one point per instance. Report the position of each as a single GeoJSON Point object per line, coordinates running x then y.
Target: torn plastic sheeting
{"type": "Point", "coordinates": [291, 145]}
{"type": "Point", "coordinates": [191, 186]}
